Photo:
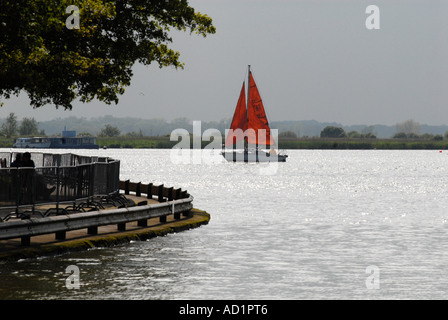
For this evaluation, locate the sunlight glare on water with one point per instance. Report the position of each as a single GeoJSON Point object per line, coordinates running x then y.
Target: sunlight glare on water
{"type": "Point", "coordinates": [309, 231]}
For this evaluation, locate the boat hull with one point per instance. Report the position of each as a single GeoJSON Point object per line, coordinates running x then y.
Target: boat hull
{"type": "Point", "coordinates": [50, 146]}
{"type": "Point", "coordinates": [253, 156]}
{"type": "Point", "coordinates": [57, 143]}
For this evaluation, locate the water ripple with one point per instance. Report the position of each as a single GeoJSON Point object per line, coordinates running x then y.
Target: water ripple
{"type": "Point", "coordinates": [307, 232]}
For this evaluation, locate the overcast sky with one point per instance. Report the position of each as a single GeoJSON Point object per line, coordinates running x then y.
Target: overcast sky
{"type": "Point", "coordinates": [312, 60]}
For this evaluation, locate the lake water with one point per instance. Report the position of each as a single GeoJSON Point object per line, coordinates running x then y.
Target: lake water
{"type": "Point", "coordinates": [324, 225]}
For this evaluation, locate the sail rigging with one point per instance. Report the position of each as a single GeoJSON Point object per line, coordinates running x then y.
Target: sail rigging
{"type": "Point", "coordinates": [249, 119]}
{"type": "Point", "coordinates": [249, 128]}
{"type": "Point", "coordinates": [239, 121]}
{"type": "Point", "coordinates": [257, 117]}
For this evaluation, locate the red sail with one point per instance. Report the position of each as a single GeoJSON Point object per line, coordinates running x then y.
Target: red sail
{"type": "Point", "coordinates": [239, 121]}
{"type": "Point", "coordinates": [257, 118]}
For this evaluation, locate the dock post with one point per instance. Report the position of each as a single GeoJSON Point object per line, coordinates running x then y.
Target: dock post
{"type": "Point", "coordinates": [142, 223]}
{"type": "Point", "coordinates": [170, 194]}
{"type": "Point", "coordinates": [60, 235]}
{"type": "Point", "coordinates": [160, 196]}
{"type": "Point", "coordinates": [186, 213]}
{"type": "Point", "coordinates": [25, 241]}
{"type": "Point", "coordinates": [149, 191]}
{"type": "Point", "coordinates": [126, 187]}
{"type": "Point", "coordinates": [92, 230]}
{"type": "Point", "coordinates": [121, 226]}
{"type": "Point", "coordinates": [138, 192]}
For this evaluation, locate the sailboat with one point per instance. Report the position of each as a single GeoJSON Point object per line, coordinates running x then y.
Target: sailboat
{"type": "Point", "coordinates": [250, 135]}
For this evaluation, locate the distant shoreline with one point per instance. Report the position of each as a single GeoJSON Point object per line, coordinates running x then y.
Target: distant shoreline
{"type": "Point", "coordinates": [297, 143]}
{"type": "Point", "coordinates": [363, 144]}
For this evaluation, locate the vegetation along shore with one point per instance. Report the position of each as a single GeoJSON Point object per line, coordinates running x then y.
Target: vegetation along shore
{"type": "Point", "coordinates": [133, 133]}
{"type": "Point", "coordinates": [297, 143]}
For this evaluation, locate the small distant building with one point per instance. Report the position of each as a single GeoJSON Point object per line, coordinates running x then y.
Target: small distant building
{"type": "Point", "coordinates": [68, 134]}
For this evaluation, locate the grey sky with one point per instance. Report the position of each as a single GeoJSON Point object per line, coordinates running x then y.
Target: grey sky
{"type": "Point", "coordinates": [312, 60]}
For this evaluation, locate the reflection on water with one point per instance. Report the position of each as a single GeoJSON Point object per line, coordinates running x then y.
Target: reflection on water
{"type": "Point", "coordinates": [307, 232]}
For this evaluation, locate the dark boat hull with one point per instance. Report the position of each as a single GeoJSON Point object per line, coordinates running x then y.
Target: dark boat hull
{"type": "Point", "coordinates": [253, 156]}
{"type": "Point", "coordinates": [56, 143]}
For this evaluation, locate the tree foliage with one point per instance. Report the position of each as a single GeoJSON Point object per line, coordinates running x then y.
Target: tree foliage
{"type": "Point", "coordinates": [332, 132]}
{"type": "Point", "coordinates": [356, 135]}
{"type": "Point", "coordinates": [409, 127]}
{"type": "Point", "coordinates": [109, 131]}
{"type": "Point", "coordinates": [55, 64]}
{"type": "Point", "coordinates": [9, 127]}
{"type": "Point", "coordinates": [288, 135]}
{"type": "Point", "coordinates": [29, 126]}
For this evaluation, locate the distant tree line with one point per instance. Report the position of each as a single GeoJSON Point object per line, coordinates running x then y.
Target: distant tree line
{"type": "Point", "coordinates": [109, 126]}
{"type": "Point", "coordinates": [408, 129]}
{"type": "Point", "coordinates": [338, 132]}
{"type": "Point", "coordinates": [411, 129]}
{"type": "Point", "coordinates": [27, 127]}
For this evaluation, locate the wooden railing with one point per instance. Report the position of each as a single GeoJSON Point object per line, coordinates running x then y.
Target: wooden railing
{"type": "Point", "coordinates": [172, 201]}
{"type": "Point", "coordinates": [161, 193]}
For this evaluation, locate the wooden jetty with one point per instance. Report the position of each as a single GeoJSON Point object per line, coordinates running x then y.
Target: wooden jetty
{"type": "Point", "coordinates": [139, 212]}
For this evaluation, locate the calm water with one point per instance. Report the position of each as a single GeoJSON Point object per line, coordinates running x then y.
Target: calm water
{"type": "Point", "coordinates": [325, 225]}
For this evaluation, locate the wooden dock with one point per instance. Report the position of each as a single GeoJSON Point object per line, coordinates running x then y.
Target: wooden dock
{"type": "Point", "coordinates": [144, 218]}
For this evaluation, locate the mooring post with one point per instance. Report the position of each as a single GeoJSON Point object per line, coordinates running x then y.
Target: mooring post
{"type": "Point", "coordinates": [60, 235]}
{"type": "Point", "coordinates": [138, 192]}
{"type": "Point", "coordinates": [170, 194]}
{"type": "Point", "coordinates": [25, 241]}
{"type": "Point", "coordinates": [143, 222]}
{"type": "Point", "coordinates": [149, 191]}
{"type": "Point", "coordinates": [186, 213]}
{"type": "Point", "coordinates": [92, 230]}
{"type": "Point", "coordinates": [126, 187]}
{"type": "Point", "coordinates": [160, 197]}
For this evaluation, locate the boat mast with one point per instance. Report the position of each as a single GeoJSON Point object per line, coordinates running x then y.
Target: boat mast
{"type": "Point", "coordinates": [246, 143]}
{"type": "Point", "coordinates": [248, 88]}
